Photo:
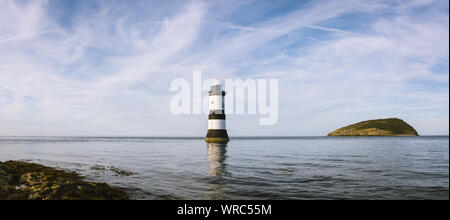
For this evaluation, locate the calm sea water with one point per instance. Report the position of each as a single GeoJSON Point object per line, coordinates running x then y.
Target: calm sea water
{"type": "Point", "coordinates": [250, 168]}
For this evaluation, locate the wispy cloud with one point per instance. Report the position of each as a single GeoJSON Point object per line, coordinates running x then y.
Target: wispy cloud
{"type": "Point", "coordinates": [26, 36]}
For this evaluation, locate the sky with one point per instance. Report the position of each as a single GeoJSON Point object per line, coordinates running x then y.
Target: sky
{"type": "Point", "coordinates": [104, 67]}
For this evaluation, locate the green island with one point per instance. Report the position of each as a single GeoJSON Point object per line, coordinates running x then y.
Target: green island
{"type": "Point", "coordinates": [378, 127]}
{"type": "Point", "coordinates": [28, 181]}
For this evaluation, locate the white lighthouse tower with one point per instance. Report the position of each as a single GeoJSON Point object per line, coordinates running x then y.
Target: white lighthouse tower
{"type": "Point", "coordinates": [217, 131]}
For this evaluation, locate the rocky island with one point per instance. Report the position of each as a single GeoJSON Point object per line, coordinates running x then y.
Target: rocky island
{"type": "Point", "coordinates": [378, 127]}
{"type": "Point", "coordinates": [29, 181]}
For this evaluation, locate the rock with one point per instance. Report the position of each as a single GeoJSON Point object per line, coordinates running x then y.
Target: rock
{"type": "Point", "coordinates": [5, 178]}
{"type": "Point", "coordinates": [30, 178]}
{"type": "Point", "coordinates": [121, 172]}
{"type": "Point", "coordinates": [115, 170]}
{"type": "Point", "coordinates": [28, 181]}
{"type": "Point", "coordinates": [378, 127]}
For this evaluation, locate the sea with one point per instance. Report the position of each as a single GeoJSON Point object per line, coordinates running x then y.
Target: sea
{"type": "Point", "coordinates": [250, 168]}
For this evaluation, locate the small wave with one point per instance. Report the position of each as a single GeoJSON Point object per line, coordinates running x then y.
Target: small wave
{"type": "Point", "coordinates": [115, 170]}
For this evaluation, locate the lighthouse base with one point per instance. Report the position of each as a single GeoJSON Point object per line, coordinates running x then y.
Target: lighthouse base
{"type": "Point", "coordinates": [217, 140]}
{"type": "Point", "coordinates": [217, 136]}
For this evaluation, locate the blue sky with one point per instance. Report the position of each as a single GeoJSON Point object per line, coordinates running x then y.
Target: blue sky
{"type": "Point", "coordinates": [105, 67]}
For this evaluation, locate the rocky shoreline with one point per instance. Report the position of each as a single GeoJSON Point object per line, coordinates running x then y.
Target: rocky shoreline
{"type": "Point", "coordinates": [29, 181]}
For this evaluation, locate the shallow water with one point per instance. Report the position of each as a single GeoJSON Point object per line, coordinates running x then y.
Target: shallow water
{"type": "Point", "coordinates": [250, 168]}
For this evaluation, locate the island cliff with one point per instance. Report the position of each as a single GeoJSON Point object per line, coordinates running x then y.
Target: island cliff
{"type": "Point", "coordinates": [378, 127]}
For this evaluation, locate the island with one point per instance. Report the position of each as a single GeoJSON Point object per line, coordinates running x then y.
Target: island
{"type": "Point", "coordinates": [377, 127]}
{"type": "Point", "coordinates": [28, 181]}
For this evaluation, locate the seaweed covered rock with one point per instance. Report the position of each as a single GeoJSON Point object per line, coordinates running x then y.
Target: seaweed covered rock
{"type": "Point", "coordinates": [29, 181]}
{"type": "Point", "coordinates": [378, 127]}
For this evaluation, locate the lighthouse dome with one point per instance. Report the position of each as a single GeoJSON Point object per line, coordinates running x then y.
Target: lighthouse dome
{"type": "Point", "coordinates": [216, 82]}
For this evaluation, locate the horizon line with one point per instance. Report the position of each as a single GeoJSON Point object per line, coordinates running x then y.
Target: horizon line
{"type": "Point", "coordinates": [236, 137]}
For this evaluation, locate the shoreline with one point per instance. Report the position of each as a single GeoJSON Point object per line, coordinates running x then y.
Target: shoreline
{"type": "Point", "coordinates": [30, 181]}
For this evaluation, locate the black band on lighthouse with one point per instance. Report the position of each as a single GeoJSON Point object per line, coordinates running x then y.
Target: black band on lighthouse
{"type": "Point", "coordinates": [216, 116]}
{"type": "Point", "coordinates": [216, 133]}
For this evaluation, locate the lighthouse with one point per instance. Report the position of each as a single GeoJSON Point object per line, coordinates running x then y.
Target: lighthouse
{"type": "Point", "coordinates": [217, 131]}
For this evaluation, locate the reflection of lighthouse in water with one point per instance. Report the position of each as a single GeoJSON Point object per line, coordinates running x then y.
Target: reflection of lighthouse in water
{"type": "Point", "coordinates": [216, 157]}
